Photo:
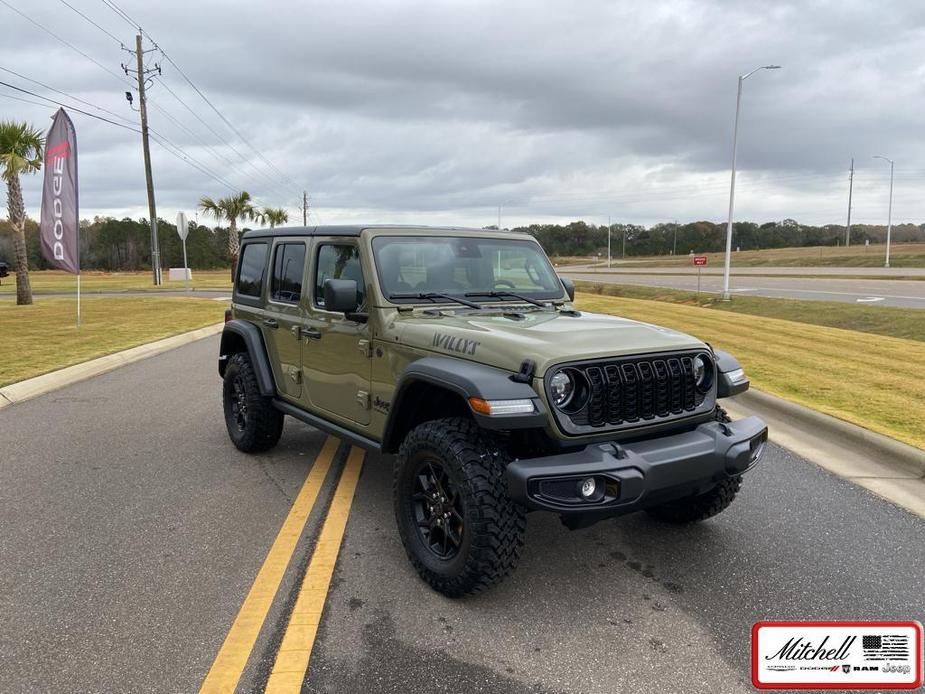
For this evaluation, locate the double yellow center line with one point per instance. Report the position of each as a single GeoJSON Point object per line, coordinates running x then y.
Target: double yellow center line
{"type": "Point", "coordinates": [295, 651]}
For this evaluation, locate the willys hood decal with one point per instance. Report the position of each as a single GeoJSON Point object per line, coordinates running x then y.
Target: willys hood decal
{"type": "Point", "coordinates": [546, 337]}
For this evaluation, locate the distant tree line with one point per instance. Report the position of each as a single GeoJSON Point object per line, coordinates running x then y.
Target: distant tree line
{"type": "Point", "coordinates": [124, 244]}
{"type": "Point", "coordinates": [582, 239]}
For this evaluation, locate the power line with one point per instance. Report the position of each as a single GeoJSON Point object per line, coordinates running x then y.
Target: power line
{"type": "Point", "coordinates": [105, 31]}
{"type": "Point", "coordinates": [213, 131]}
{"type": "Point", "coordinates": [184, 156]}
{"type": "Point", "coordinates": [121, 15]}
{"type": "Point", "coordinates": [65, 42]}
{"type": "Point", "coordinates": [124, 16]}
{"type": "Point", "coordinates": [217, 111]}
{"type": "Point", "coordinates": [25, 101]}
{"type": "Point", "coordinates": [70, 96]}
{"type": "Point", "coordinates": [225, 120]}
{"type": "Point", "coordinates": [162, 140]}
{"type": "Point", "coordinates": [68, 106]}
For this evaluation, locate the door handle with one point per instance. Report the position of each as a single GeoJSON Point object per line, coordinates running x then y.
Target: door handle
{"type": "Point", "coordinates": [312, 333]}
{"type": "Point", "coordinates": [271, 323]}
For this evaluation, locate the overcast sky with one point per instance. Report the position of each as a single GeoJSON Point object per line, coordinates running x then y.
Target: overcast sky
{"type": "Point", "coordinates": [437, 112]}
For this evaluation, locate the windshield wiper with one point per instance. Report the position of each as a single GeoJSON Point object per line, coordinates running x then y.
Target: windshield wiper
{"type": "Point", "coordinates": [435, 295]}
{"type": "Point", "coordinates": [500, 295]}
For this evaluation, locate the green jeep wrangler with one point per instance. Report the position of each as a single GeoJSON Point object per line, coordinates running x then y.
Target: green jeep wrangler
{"type": "Point", "coordinates": [459, 352]}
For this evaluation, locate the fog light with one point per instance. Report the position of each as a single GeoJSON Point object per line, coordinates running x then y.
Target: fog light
{"type": "Point", "coordinates": [588, 487]}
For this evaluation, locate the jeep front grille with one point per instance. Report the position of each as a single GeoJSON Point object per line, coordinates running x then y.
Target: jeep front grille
{"type": "Point", "coordinates": [636, 391]}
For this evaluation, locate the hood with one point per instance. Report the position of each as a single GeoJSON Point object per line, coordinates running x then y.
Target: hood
{"type": "Point", "coordinates": [546, 337]}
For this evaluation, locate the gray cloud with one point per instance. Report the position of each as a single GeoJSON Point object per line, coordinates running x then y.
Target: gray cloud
{"type": "Point", "coordinates": [443, 110]}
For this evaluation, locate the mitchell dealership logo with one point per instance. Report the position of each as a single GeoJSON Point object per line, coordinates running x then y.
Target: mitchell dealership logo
{"type": "Point", "coordinates": [837, 654]}
{"type": "Point", "coordinates": [56, 157]}
{"type": "Point", "coordinates": [798, 649]}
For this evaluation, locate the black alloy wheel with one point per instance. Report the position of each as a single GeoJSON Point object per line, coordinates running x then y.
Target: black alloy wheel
{"type": "Point", "coordinates": [437, 508]}
{"type": "Point", "coordinates": [238, 403]}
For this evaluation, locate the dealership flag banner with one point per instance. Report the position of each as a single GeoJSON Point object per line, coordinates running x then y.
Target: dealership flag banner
{"type": "Point", "coordinates": [60, 224]}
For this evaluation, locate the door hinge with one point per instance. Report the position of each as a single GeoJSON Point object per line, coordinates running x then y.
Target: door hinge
{"type": "Point", "coordinates": [365, 347]}
{"type": "Point", "coordinates": [295, 373]}
{"type": "Point", "coordinates": [363, 399]}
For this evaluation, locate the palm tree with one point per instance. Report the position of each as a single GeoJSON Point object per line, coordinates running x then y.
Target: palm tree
{"type": "Point", "coordinates": [230, 209]}
{"type": "Point", "coordinates": [21, 148]}
{"type": "Point", "coordinates": [273, 216]}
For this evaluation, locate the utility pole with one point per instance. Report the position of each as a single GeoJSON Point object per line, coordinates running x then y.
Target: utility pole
{"type": "Point", "coordinates": [850, 190]}
{"type": "Point", "coordinates": [304, 208]}
{"type": "Point", "coordinates": [608, 241]}
{"type": "Point", "coordinates": [142, 75]}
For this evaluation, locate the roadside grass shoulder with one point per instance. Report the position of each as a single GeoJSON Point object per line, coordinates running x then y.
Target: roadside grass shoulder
{"type": "Point", "coordinates": [93, 281]}
{"type": "Point", "coordinates": [871, 380]}
{"type": "Point", "coordinates": [906, 323]}
{"type": "Point", "coordinates": [43, 337]}
{"type": "Point", "coordinates": [901, 255]}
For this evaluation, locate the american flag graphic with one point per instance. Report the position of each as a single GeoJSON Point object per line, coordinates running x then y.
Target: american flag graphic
{"type": "Point", "coordinates": [885, 647]}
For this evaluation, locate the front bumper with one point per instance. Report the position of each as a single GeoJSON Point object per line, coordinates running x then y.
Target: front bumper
{"type": "Point", "coordinates": [633, 476]}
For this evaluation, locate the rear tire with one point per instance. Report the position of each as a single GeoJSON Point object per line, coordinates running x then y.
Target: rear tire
{"type": "Point", "coordinates": [253, 424]}
{"type": "Point", "coordinates": [449, 470]}
{"type": "Point", "coordinates": [698, 508]}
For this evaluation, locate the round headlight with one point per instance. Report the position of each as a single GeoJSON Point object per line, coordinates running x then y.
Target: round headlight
{"type": "Point", "coordinates": [561, 388]}
{"type": "Point", "coordinates": [703, 372]}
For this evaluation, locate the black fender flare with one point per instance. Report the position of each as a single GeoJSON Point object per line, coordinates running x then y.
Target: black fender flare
{"type": "Point", "coordinates": [466, 379]}
{"type": "Point", "coordinates": [237, 331]}
{"type": "Point", "coordinates": [727, 384]}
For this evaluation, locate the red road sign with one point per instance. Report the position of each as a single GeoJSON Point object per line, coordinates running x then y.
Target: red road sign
{"type": "Point", "coordinates": [700, 260]}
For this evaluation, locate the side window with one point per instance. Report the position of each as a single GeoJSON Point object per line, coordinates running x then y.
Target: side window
{"type": "Point", "coordinates": [288, 267]}
{"type": "Point", "coordinates": [251, 264]}
{"type": "Point", "coordinates": [339, 262]}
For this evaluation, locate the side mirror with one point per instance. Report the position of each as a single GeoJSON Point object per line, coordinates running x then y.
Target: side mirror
{"type": "Point", "coordinates": [340, 296]}
{"type": "Point", "coordinates": [569, 287]}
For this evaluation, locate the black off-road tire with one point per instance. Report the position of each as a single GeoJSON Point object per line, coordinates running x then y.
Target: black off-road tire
{"type": "Point", "coordinates": [698, 508]}
{"type": "Point", "coordinates": [260, 425]}
{"type": "Point", "coordinates": [493, 525]}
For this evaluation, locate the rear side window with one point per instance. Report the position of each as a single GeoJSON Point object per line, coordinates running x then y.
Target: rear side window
{"type": "Point", "coordinates": [288, 266]}
{"type": "Point", "coordinates": [339, 262]}
{"type": "Point", "coordinates": [252, 263]}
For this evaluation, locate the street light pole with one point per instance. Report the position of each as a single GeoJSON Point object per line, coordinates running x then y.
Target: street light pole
{"type": "Point", "coordinates": [732, 183]}
{"type": "Point", "coordinates": [501, 205]}
{"type": "Point", "coordinates": [889, 214]}
{"type": "Point", "coordinates": [850, 191]}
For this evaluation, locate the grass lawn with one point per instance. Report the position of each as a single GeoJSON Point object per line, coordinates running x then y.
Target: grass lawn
{"type": "Point", "coordinates": [874, 381]}
{"type": "Point", "coordinates": [901, 255]}
{"type": "Point", "coordinates": [907, 323]}
{"type": "Point", "coordinates": [92, 281]}
{"type": "Point", "coordinates": [42, 337]}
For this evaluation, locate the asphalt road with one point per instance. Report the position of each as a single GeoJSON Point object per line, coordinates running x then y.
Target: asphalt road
{"type": "Point", "coordinates": [870, 292]}
{"type": "Point", "coordinates": [132, 532]}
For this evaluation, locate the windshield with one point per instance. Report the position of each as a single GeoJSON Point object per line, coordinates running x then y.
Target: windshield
{"type": "Point", "coordinates": [463, 266]}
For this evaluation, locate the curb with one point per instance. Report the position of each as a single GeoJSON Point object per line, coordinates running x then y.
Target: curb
{"type": "Point", "coordinates": [33, 387]}
{"type": "Point", "coordinates": [883, 449]}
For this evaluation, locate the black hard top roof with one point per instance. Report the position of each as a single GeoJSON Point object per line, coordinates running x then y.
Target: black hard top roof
{"type": "Point", "coordinates": [346, 230]}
